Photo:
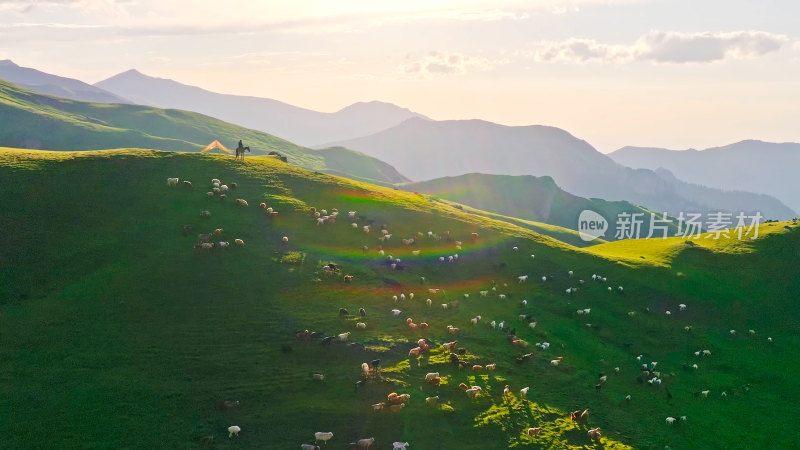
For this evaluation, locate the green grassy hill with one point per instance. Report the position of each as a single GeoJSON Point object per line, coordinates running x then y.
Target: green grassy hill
{"type": "Point", "coordinates": [32, 120]}
{"type": "Point", "coordinates": [536, 199]}
{"type": "Point", "coordinates": [116, 332]}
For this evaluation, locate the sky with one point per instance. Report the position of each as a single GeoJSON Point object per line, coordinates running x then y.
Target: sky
{"type": "Point", "coordinates": [663, 73]}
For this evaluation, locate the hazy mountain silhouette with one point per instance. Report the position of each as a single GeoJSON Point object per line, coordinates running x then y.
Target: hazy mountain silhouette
{"type": "Point", "coordinates": [46, 83]}
{"type": "Point", "coordinates": [299, 125]}
{"type": "Point", "coordinates": [422, 149]}
{"type": "Point", "coordinates": [764, 167]}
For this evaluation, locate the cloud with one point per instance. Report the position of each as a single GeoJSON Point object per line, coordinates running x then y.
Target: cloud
{"type": "Point", "coordinates": [435, 64]}
{"type": "Point", "coordinates": [663, 47]}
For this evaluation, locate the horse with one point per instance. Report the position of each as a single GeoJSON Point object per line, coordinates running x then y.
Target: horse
{"type": "Point", "coordinates": [240, 152]}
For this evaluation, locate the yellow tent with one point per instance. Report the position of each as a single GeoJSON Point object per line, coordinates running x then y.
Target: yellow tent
{"type": "Point", "coordinates": [216, 144]}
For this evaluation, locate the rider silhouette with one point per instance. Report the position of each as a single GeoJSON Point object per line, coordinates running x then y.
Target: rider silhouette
{"type": "Point", "coordinates": [240, 144]}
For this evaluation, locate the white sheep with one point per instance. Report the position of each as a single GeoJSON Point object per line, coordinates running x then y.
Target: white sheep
{"type": "Point", "coordinates": [351, 214]}
{"type": "Point", "coordinates": [432, 400]}
{"type": "Point", "coordinates": [516, 249]}
{"type": "Point", "coordinates": [532, 325]}
{"type": "Point", "coordinates": [522, 278]}
{"type": "Point", "coordinates": [670, 420]}
{"type": "Point", "coordinates": [233, 430]}
{"type": "Point", "coordinates": [570, 273]}
{"type": "Point", "coordinates": [396, 312]}
{"type": "Point", "coordinates": [544, 278]}
{"type": "Point", "coordinates": [354, 225]}
{"type": "Point", "coordinates": [431, 375]}
{"type": "Point", "coordinates": [399, 445]}
{"type": "Point", "coordinates": [322, 436]}
{"type": "Point", "coordinates": [308, 447]}
{"type": "Point", "coordinates": [429, 302]}
{"type": "Point", "coordinates": [365, 228]}
{"type": "Point", "coordinates": [682, 307]}
{"type": "Point", "coordinates": [172, 181]}
{"type": "Point", "coordinates": [501, 296]}
{"type": "Point", "coordinates": [361, 325]}
{"type": "Point", "coordinates": [343, 336]}
{"type": "Point", "coordinates": [524, 391]}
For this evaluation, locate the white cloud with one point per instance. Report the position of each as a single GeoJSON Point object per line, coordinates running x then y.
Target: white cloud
{"type": "Point", "coordinates": [663, 47]}
{"type": "Point", "coordinates": [435, 64]}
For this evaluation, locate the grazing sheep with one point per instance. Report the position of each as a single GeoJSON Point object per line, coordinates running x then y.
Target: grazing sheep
{"type": "Point", "coordinates": [544, 278]}
{"type": "Point", "coordinates": [285, 239]}
{"type": "Point", "coordinates": [516, 249]}
{"type": "Point", "coordinates": [362, 312]}
{"type": "Point", "coordinates": [477, 368]}
{"type": "Point", "coordinates": [343, 336]}
{"type": "Point", "coordinates": [532, 325]}
{"type": "Point", "coordinates": [348, 278]}
{"type": "Point", "coordinates": [241, 202]}
{"type": "Point", "coordinates": [705, 393]}
{"type": "Point", "coordinates": [396, 312]}
{"type": "Point", "coordinates": [233, 430]}
{"type": "Point", "coordinates": [366, 443]}
{"type": "Point", "coordinates": [414, 351]}
{"type": "Point", "coordinates": [429, 302]}
{"type": "Point", "coordinates": [399, 445]}
{"type": "Point", "coordinates": [172, 181]}
{"type": "Point", "coordinates": [594, 434]}
{"type": "Point", "coordinates": [555, 362]}
{"type": "Point", "coordinates": [431, 375]}
{"type": "Point", "coordinates": [670, 420]}
{"type": "Point", "coordinates": [319, 377]}
{"type": "Point", "coordinates": [502, 296]}
{"type": "Point", "coordinates": [361, 325]}
{"type": "Point", "coordinates": [205, 214]}
{"type": "Point", "coordinates": [682, 307]}
{"type": "Point", "coordinates": [579, 416]}
{"type": "Point", "coordinates": [238, 241]}
{"type": "Point", "coordinates": [323, 436]}
{"type": "Point", "coordinates": [534, 431]}
{"type": "Point", "coordinates": [522, 278]}
{"type": "Point", "coordinates": [432, 400]}
{"type": "Point", "coordinates": [378, 406]}
{"type": "Point", "coordinates": [309, 447]}
{"type": "Point", "coordinates": [473, 392]}
{"type": "Point", "coordinates": [524, 391]}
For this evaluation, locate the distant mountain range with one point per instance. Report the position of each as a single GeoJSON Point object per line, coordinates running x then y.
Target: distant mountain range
{"type": "Point", "coordinates": [38, 121]}
{"type": "Point", "coordinates": [538, 199]}
{"type": "Point", "coordinates": [423, 149]}
{"type": "Point", "coordinates": [46, 83]}
{"type": "Point", "coordinates": [755, 166]}
{"type": "Point", "coordinates": [298, 125]}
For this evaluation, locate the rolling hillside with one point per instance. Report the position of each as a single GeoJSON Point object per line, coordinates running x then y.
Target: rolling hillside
{"type": "Point", "coordinates": [32, 120]}
{"type": "Point", "coordinates": [423, 150]}
{"type": "Point", "coordinates": [295, 124]}
{"type": "Point", "coordinates": [756, 166]}
{"type": "Point", "coordinates": [117, 333]}
{"type": "Point", "coordinates": [46, 83]}
{"type": "Point", "coordinates": [537, 199]}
